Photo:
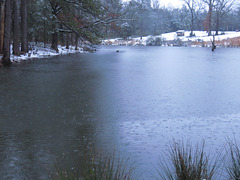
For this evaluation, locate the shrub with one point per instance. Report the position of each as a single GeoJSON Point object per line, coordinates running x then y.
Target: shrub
{"type": "Point", "coordinates": [158, 41]}
{"type": "Point", "coordinates": [177, 42]}
{"type": "Point", "coordinates": [150, 41]}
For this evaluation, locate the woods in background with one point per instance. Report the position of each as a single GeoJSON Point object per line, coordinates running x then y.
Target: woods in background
{"type": "Point", "coordinates": [67, 22]}
{"type": "Point", "coordinates": [51, 22]}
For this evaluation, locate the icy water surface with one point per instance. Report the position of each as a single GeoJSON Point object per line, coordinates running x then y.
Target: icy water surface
{"type": "Point", "coordinates": [134, 102]}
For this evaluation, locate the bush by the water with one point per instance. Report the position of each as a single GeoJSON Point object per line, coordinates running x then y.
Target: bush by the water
{"type": "Point", "coordinates": [233, 161]}
{"type": "Point", "coordinates": [182, 161]}
{"type": "Point", "coordinates": [99, 167]}
{"type": "Point", "coordinates": [158, 41]}
{"type": "Point", "coordinates": [178, 42]}
{"type": "Point", "coordinates": [185, 162]}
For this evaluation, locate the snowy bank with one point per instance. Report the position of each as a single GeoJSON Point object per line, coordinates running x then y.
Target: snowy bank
{"type": "Point", "coordinates": [201, 38]}
{"type": "Point", "coordinates": [39, 51]}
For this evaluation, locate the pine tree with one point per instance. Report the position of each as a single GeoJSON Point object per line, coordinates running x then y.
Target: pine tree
{"type": "Point", "coordinates": [24, 40]}
{"type": "Point", "coordinates": [16, 27]}
{"type": "Point", "coordinates": [7, 29]}
{"type": "Point", "coordinates": [2, 17]}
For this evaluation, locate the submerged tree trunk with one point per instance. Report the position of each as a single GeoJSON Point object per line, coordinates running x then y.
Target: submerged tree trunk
{"type": "Point", "coordinates": [2, 25]}
{"type": "Point", "coordinates": [16, 43]}
{"type": "Point", "coordinates": [7, 29]}
{"type": "Point", "coordinates": [213, 43]}
{"type": "Point", "coordinates": [24, 46]}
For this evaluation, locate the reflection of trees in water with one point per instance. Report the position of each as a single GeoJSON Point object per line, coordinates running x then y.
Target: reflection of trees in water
{"type": "Point", "coordinates": [49, 117]}
{"type": "Point", "coordinates": [76, 106]}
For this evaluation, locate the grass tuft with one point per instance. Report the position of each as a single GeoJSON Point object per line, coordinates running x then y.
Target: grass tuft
{"type": "Point", "coordinates": [186, 163]}
{"type": "Point", "coordinates": [100, 167]}
{"type": "Point", "coordinates": [233, 165]}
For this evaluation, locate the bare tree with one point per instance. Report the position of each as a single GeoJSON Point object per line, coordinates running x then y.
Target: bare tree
{"type": "Point", "coordinates": [155, 9]}
{"type": "Point", "coordinates": [193, 7]}
{"type": "Point", "coordinates": [221, 9]}
{"type": "Point", "coordinates": [7, 29]}
{"type": "Point", "coordinates": [156, 4]}
{"type": "Point", "coordinates": [210, 4]}
{"type": "Point", "coordinates": [143, 8]}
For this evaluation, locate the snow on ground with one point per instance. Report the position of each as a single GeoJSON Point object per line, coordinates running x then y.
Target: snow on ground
{"type": "Point", "coordinates": [200, 36]}
{"type": "Point", "coordinates": [39, 51]}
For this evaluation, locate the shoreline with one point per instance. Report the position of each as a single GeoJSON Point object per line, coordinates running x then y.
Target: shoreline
{"type": "Point", "coordinates": [228, 43]}
{"type": "Point", "coordinates": [228, 39]}
{"type": "Point", "coordinates": [38, 51]}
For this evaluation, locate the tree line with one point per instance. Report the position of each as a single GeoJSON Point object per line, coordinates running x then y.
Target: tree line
{"type": "Point", "coordinates": [51, 22]}
{"type": "Point", "coordinates": [69, 22]}
{"type": "Point", "coordinates": [149, 17]}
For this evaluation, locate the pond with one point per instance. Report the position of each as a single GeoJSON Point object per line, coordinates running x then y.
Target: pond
{"type": "Point", "coordinates": [134, 101]}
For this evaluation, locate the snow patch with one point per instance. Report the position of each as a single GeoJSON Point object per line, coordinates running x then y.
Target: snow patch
{"type": "Point", "coordinates": [200, 36]}
{"type": "Point", "coordinates": [41, 51]}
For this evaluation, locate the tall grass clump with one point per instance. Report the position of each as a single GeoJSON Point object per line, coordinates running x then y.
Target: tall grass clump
{"type": "Point", "coordinates": [233, 163]}
{"type": "Point", "coordinates": [99, 167]}
{"type": "Point", "coordinates": [185, 162]}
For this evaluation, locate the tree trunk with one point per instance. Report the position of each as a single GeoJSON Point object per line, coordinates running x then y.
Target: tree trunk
{"type": "Point", "coordinates": [7, 29]}
{"type": "Point", "coordinates": [213, 43]}
{"type": "Point", "coordinates": [76, 42]}
{"type": "Point", "coordinates": [44, 28]}
{"type": "Point", "coordinates": [24, 46]}
{"type": "Point", "coordinates": [55, 41]}
{"type": "Point", "coordinates": [61, 36]}
{"type": "Point", "coordinates": [16, 43]}
{"type": "Point", "coordinates": [192, 24]}
{"type": "Point", "coordinates": [217, 25]}
{"type": "Point", "coordinates": [54, 35]}
{"type": "Point", "coordinates": [72, 39]}
{"type": "Point", "coordinates": [210, 18]}
{"type": "Point", "coordinates": [67, 41]}
{"type": "Point", "coordinates": [2, 25]}
{"type": "Point", "coordinates": [217, 30]}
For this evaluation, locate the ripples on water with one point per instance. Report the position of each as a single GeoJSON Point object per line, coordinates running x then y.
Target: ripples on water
{"type": "Point", "coordinates": [135, 102]}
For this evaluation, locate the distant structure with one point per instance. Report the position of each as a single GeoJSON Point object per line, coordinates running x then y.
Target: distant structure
{"type": "Point", "coordinates": [180, 33]}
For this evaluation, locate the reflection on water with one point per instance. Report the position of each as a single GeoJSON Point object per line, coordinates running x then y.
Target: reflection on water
{"type": "Point", "coordinates": [134, 101]}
